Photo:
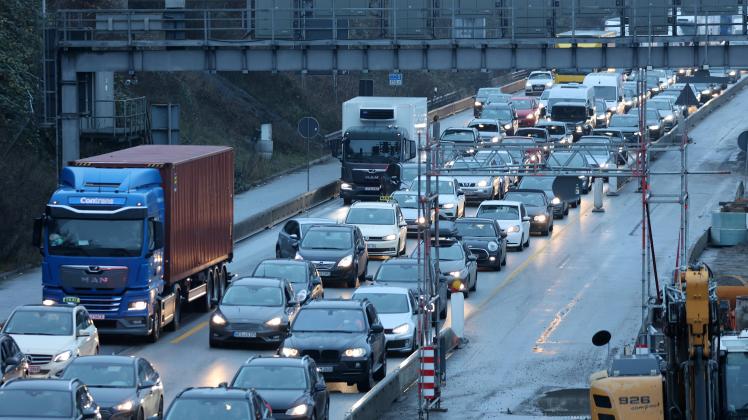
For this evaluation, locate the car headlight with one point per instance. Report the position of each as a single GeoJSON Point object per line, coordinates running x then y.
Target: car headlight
{"type": "Point", "coordinates": [556, 200]}
{"type": "Point", "coordinates": [390, 237]}
{"type": "Point", "coordinates": [470, 151]}
{"type": "Point", "coordinates": [507, 126]}
{"type": "Point", "coordinates": [401, 329]}
{"type": "Point", "coordinates": [346, 261]}
{"type": "Point", "coordinates": [732, 73]}
{"type": "Point", "coordinates": [355, 352]}
{"type": "Point", "coordinates": [448, 205]}
{"type": "Point", "coordinates": [654, 127]}
{"type": "Point", "coordinates": [579, 129]}
{"type": "Point", "coordinates": [495, 139]}
{"type": "Point", "coordinates": [706, 92]}
{"type": "Point", "coordinates": [540, 218]}
{"type": "Point", "coordinates": [528, 85]}
{"type": "Point", "coordinates": [493, 246]}
{"type": "Point", "coordinates": [421, 220]}
{"type": "Point", "coordinates": [218, 319]}
{"type": "Point", "coordinates": [455, 274]}
{"type": "Point", "coordinates": [289, 352]}
{"type": "Point", "coordinates": [298, 256]}
{"type": "Point", "coordinates": [63, 357]}
{"type": "Point", "coordinates": [612, 109]}
{"type": "Point", "coordinates": [125, 406]}
{"type": "Point", "coordinates": [274, 322]}
{"type": "Point", "coordinates": [482, 183]}
{"type": "Point", "coordinates": [477, 103]}
{"type": "Point", "coordinates": [549, 84]}
{"type": "Point", "coordinates": [627, 103]}
{"type": "Point", "coordinates": [346, 186]}
{"type": "Point", "coordinates": [301, 296]}
{"type": "Point", "coordinates": [299, 410]}
{"type": "Point", "coordinates": [138, 305]}
{"type": "Point", "coordinates": [513, 229]}
{"type": "Point", "coordinates": [601, 116]}
{"type": "Point", "coordinates": [530, 116]}
{"type": "Point", "coordinates": [669, 117]}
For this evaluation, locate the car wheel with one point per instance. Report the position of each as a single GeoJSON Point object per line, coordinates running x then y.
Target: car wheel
{"type": "Point", "coordinates": [367, 383]}
{"type": "Point", "coordinates": [214, 343]}
{"type": "Point", "coordinates": [475, 282]}
{"type": "Point", "coordinates": [156, 328]}
{"type": "Point", "coordinates": [353, 281]}
{"type": "Point", "coordinates": [566, 212]}
{"type": "Point", "coordinates": [160, 413]}
{"type": "Point", "coordinates": [382, 372]}
{"type": "Point", "coordinates": [362, 276]}
{"type": "Point", "coordinates": [413, 344]}
{"type": "Point", "coordinates": [498, 265]}
{"type": "Point", "coordinates": [347, 201]}
{"type": "Point", "coordinates": [527, 243]}
{"type": "Point", "coordinates": [205, 303]}
{"type": "Point", "coordinates": [503, 261]}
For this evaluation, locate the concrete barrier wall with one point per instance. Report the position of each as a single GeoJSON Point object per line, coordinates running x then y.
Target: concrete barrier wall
{"type": "Point", "coordinates": [694, 252]}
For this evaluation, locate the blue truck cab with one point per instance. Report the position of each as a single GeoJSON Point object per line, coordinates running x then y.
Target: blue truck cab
{"type": "Point", "coordinates": [102, 243]}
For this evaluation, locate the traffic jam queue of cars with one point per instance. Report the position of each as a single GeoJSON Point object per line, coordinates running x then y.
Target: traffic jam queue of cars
{"type": "Point", "coordinates": [50, 366]}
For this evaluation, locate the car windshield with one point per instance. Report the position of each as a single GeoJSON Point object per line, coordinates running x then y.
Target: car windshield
{"type": "Point", "coordinates": [368, 216]}
{"type": "Point", "coordinates": [736, 378]}
{"type": "Point", "coordinates": [659, 105]}
{"type": "Point", "coordinates": [498, 98]}
{"type": "Point", "coordinates": [568, 113]}
{"type": "Point", "coordinates": [485, 128]}
{"type": "Point", "coordinates": [501, 114]}
{"type": "Point", "coordinates": [40, 322]}
{"type": "Point", "coordinates": [329, 320]}
{"type": "Point", "coordinates": [555, 130]}
{"type": "Point", "coordinates": [398, 272]}
{"type": "Point", "coordinates": [292, 271]}
{"type": "Point", "coordinates": [476, 229]}
{"type": "Point", "coordinates": [458, 136]}
{"type": "Point", "coordinates": [484, 92]}
{"type": "Point", "coordinates": [327, 239]}
{"type": "Point", "coordinates": [210, 408]}
{"type": "Point", "coordinates": [499, 212]}
{"type": "Point", "coordinates": [624, 121]}
{"type": "Point", "coordinates": [447, 252]}
{"type": "Point", "coordinates": [406, 201]}
{"type": "Point", "coordinates": [26, 403]}
{"type": "Point", "coordinates": [386, 303]}
{"type": "Point", "coordinates": [553, 101]}
{"type": "Point", "coordinates": [607, 93]}
{"type": "Point", "coordinates": [522, 103]}
{"type": "Point", "coordinates": [371, 151]}
{"type": "Point", "coordinates": [544, 183]}
{"type": "Point", "coordinates": [445, 187]}
{"type": "Point", "coordinates": [531, 132]}
{"type": "Point", "coordinates": [463, 164]}
{"type": "Point", "coordinates": [271, 378]}
{"type": "Point", "coordinates": [527, 198]}
{"type": "Point", "coordinates": [539, 76]}
{"type": "Point", "coordinates": [566, 159]}
{"type": "Point", "coordinates": [251, 295]}
{"type": "Point", "coordinates": [595, 141]}
{"type": "Point", "coordinates": [305, 226]}
{"type": "Point", "coordinates": [96, 238]}
{"type": "Point", "coordinates": [101, 375]}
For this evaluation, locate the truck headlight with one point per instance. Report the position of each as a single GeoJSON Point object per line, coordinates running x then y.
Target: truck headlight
{"type": "Point", "coordinates": [125, 406]}
{"type": "Point", "coordinates": [390, 237]}
{"type": "Point", "coordinates": [218, 319]}
{"type": "Point", "coordinates": [477, 103]}
{"type": "Point", "coordinates": [421, 220]}
{"type": "Point", "coordinates": [448, 205]}
{"type": "Point", "coordinates": [355, 352]}
{"type": "Point", "coordinates": [556, 200]}
{"type": "Point", "coordinates": [654, 127]}
{"type": "Point", "coordinates": [138, 305]}
{"type": "Point", "coordinates": [482, 183]}
{"type": "Point", "coordinates": [401, 329]}
{"type": "Point", "coordinates": [346, 186]}
{"type": "Point", "coordinates": [513, 229]}
{"type": "Point", "coordinates": [346, 261]}
{"type": "Point", "coordinates": [63, 357]}
{"type": "Point", "coordinates": [507, 126]}
{"type": "Point", "coordinates": [274, 322]}
{"type": "Point", "coordinates": [289, 352]}
{"type": "Point", "coordinates": [540, 218]}
{"type": "Point", "coordinates": [299, 410]}
{"type": "Point", "coordinates": [528, 85]}
{"type": "Point", "coordinates": [493, 246]}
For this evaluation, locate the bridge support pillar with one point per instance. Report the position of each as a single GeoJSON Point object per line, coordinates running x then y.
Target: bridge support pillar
{"type": "Point", "coordinates": [69, 115]}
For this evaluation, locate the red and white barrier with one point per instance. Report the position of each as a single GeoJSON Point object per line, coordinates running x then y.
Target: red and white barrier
{"type": "Point", "coordinates": [427, 382]}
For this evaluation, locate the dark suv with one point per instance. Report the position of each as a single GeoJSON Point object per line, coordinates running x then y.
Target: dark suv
{"type": "Point", "coordinates": [44, 398]}
{"type": "Point", "coordinates": [344, 337]}
{"type": "Point", "coordinates": [539, 208]}
{"type": "Point", "coordinates": [337, 251]}
{"type": "Point", "coordinates": [218, 403]}
{"type": "Point", "coordinates": [13, 363]}
{"type": "Point", "coordinates": [292, 386]}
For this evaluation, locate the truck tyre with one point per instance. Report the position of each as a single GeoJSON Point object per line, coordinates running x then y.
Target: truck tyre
{"type": "Point", "coordinates": [176, 321]}
{"type": "Point", "coordinates": [223, 276]}
{"type": "Point", "coordinates": [156, 326]}
{"type": "Point", "coordinates": [205, 303]}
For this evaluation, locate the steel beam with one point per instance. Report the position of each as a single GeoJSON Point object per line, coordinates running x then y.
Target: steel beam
{"type": "Point", "coordinates": [69, 115]}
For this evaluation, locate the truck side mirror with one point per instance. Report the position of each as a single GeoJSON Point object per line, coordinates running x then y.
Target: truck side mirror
{"type": "Point", "coordinates": [413, 149]}
{"type": "Point", "coordinates": [36, 240]}
{"type": "Point", "coordinates": [335, 147]}
{"type": "Point", "coordinates": [158, 234]}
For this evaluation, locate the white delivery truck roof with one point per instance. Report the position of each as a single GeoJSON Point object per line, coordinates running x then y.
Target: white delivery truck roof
{"type": "Point", "coordinates": [373, 111]}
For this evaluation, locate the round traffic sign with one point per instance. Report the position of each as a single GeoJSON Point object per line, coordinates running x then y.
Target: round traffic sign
{"type": "Point", "coordinates": [743, 141]}
{"type": "Point", "coordinates": [308, 127]}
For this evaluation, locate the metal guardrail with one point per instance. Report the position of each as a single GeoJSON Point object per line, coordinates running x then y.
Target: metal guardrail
{"type": "Point", "coordinates": [118, 117]}
{"type": "Point", "coordinates": [633, 20]}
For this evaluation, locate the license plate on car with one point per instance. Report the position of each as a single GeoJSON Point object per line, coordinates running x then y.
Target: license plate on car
{"type": "Point", "coordinates": [71, 299]}
{"type": "Point", "coordinates": [324, 273]}
{"type": "Point", "coordinates": [245, 334]}
{"type": "Point", "coordinates": [34, 369]}
{"type": "Point", "coordinates": [324, 369]}
{"type": "Point", "coordinates": [371, 188]}
{"type": "Point", "coordinates": [96, 316]}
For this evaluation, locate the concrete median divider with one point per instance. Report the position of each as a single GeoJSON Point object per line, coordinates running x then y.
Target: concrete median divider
{"type": "Point", "coordinates": [272, 216]}
{"type": "Point", "coordinates": [377, 401]}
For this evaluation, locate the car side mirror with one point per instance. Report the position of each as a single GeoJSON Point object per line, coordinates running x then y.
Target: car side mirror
{"type": "Point", "coordinates": [360, 248]}
{"type": "Point", "coordinates": [460, 192]}
{"type": "Point", "coordinates": [91, 412]}
{"type": "Point", "coordinates": [295, 244]}
{"type": "Point", "coordinates": [503, 234]}
{"type": "Point", "coordinates": [472, 258]}
{"type": "Point", "coordinates": [294, 236]}
{"type": "Point", "coordinates": [83, 333]}
{"type": "Point", "coordinates": [526, 219]}
{"type": "Point", "coordinates": [320, 387]}
{"type": "Point", "coordinates": [369, 277]}
{"type": "Point", "coordinates": [377, 329]}
{"type": "Point", "coordinates": [402, 225]}
{"type": "Point", "coordinates": [146, 384]}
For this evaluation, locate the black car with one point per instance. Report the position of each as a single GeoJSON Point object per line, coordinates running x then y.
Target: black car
{"type": "Point", "coordinates": [337, 251]}
{"type": "Point", "coordinates": [13, 363]}
{"type": "Point", "coordinates": [655, 124]}
{"type": "Point", "coordinates": [124, 387]}
{"type": "Point", "coordinates": [573, 161]}
{"type": "Point", "coordinates": [292, 232]}
{"type": "Point", "coordinates": [628, 125]}
{"type": "Point", "coordinates": [293, 386]}
{"type": "Point", "coordinates": [219, 403]}
{"type": "Point", "coordinates": [545, 184]}
{"type": "Point", "coordinates": [457, 265]}
{"type": "Point", "coordinates": [254, 310]}
{"type": "Point", "coordinates": [406, 272]}
{"type": "Point", "coordinates": [485, 239]}
{"type": "Point", "coordinates": [301, 274]}
{"type": "Point", "coordinates": [344, 337]}
{"type": "Point", "coordinates": [33, 399]}
{"type": "Point", "coordinates": [538, 207]}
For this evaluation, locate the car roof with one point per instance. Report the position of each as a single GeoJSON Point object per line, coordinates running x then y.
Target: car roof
{"type": "Point", "coordinates": [217, 392]}
{"type": "Point", "coordinates": [500, 203]}
{"type": "Point", "coordinates": [258, 281]}
{"type": "Point", "coordinates": [464, 220]}
{"type": "Point", "coordinates": [526, 190]}
{"type": "Point", "coordinates": [377, 288]}
{"type": "Point", "coordinates": [106, 359]}
{"type": "Point", "coordinates": [459, 129]}
{"type": "Point", "coordinates": [284, 261]}
{"type": "Point", "coordinates": [483, 121]}
{"type": "Point", "coordinates": [313, 220]}
{"type": "Point", "coordinates": [333, 226]}
{"type": "Point", "coordinates": [275, 361]}
{"type": "Point", "coordinates": [549, 122]}
{"type": "Point", "coordinates": [521, 98]}
{"type": "Point", "coordinates": [499, 105]}
{"type": "Point", "coordinates": [41, 384]}
{"type": "Point", "coordinates": [373, 205]}
{"type": "Point", "coordinates": [401, 261]}
{"type": "Point", "coordinates": [58, 307]}
{"type": "Point", "coordinates": [333, 304]}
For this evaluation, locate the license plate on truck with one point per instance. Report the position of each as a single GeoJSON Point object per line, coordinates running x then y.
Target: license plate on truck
{"type": "Point", "coordinates": [96, 316]}
{"type": "Point", "coordinates": [324, 273]}
{"type": "Point", "coordinates": [245, 334]}
{"type": "Point", "coordinates": [324, 369]}
{"type": "Point", "coordinates": [71, 299]}
{"type": "Point", "coordinates": [371, 188]}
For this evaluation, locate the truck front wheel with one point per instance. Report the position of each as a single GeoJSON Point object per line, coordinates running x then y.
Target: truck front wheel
{"type": "Point", "coordinates": [155, 325]}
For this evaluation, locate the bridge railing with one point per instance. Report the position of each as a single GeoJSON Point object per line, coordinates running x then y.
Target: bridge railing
{"type": "Point", "coordinates": [569, 21]}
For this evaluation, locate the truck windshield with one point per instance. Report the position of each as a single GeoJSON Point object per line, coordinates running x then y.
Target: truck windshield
{"type": "Point", "coordinates": [371, 151]}
{"type": "Point", "coordinates": [569, 113]}
{"type": "Point", "coordinates": [96, 238]}
{"type": "Point", "coordinates": [736, 376]}
{"type": "Point", "coordinates": [607, 93]}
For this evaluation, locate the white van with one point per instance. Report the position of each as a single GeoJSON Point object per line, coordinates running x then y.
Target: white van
{"type": "Point", "coordinates": [607, 86]}
{"type": "Point", "coordinates": [570, 92]}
